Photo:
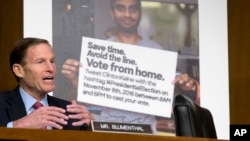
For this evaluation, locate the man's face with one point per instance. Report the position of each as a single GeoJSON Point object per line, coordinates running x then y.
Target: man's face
{"type": "Point", "coordinates": [127, 14]}
{"type": "Point", "coordinates": [38, 72]}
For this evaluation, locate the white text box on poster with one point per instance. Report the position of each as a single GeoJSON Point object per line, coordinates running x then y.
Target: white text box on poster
{"type": "Point", "coordinates": [127, 77]}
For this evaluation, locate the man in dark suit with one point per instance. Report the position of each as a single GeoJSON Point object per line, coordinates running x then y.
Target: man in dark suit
{"type": "Point", "coordinates": [32, 62]}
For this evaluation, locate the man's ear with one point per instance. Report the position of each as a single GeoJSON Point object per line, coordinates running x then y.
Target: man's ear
{"type": "Point", "coordinates": [18, 70]}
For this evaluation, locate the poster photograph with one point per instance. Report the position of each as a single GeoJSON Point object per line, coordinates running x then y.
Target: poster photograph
{"type": "Point", "coordinates": [125, 60]}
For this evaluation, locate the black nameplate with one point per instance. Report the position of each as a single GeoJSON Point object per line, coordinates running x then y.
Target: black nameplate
{"type": "Point", "coordinates": [115, 127]}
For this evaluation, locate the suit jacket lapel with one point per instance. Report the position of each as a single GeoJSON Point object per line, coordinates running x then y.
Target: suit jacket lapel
{"type": "Point", "coordinates": [52, 101]}
{"type": "Point", "coordinates": [15, 105]}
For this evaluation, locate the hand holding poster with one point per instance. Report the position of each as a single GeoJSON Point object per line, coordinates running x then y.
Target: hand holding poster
{"type": "Point", "coordinates": [126, 77]}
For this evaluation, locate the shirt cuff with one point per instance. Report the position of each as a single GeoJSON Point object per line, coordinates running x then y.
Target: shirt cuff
{"type": "Point", "coordinates": [10, 125]}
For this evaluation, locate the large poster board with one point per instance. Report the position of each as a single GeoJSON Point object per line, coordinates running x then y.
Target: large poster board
{"type": "Point", "coordinates": [202, 53]}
